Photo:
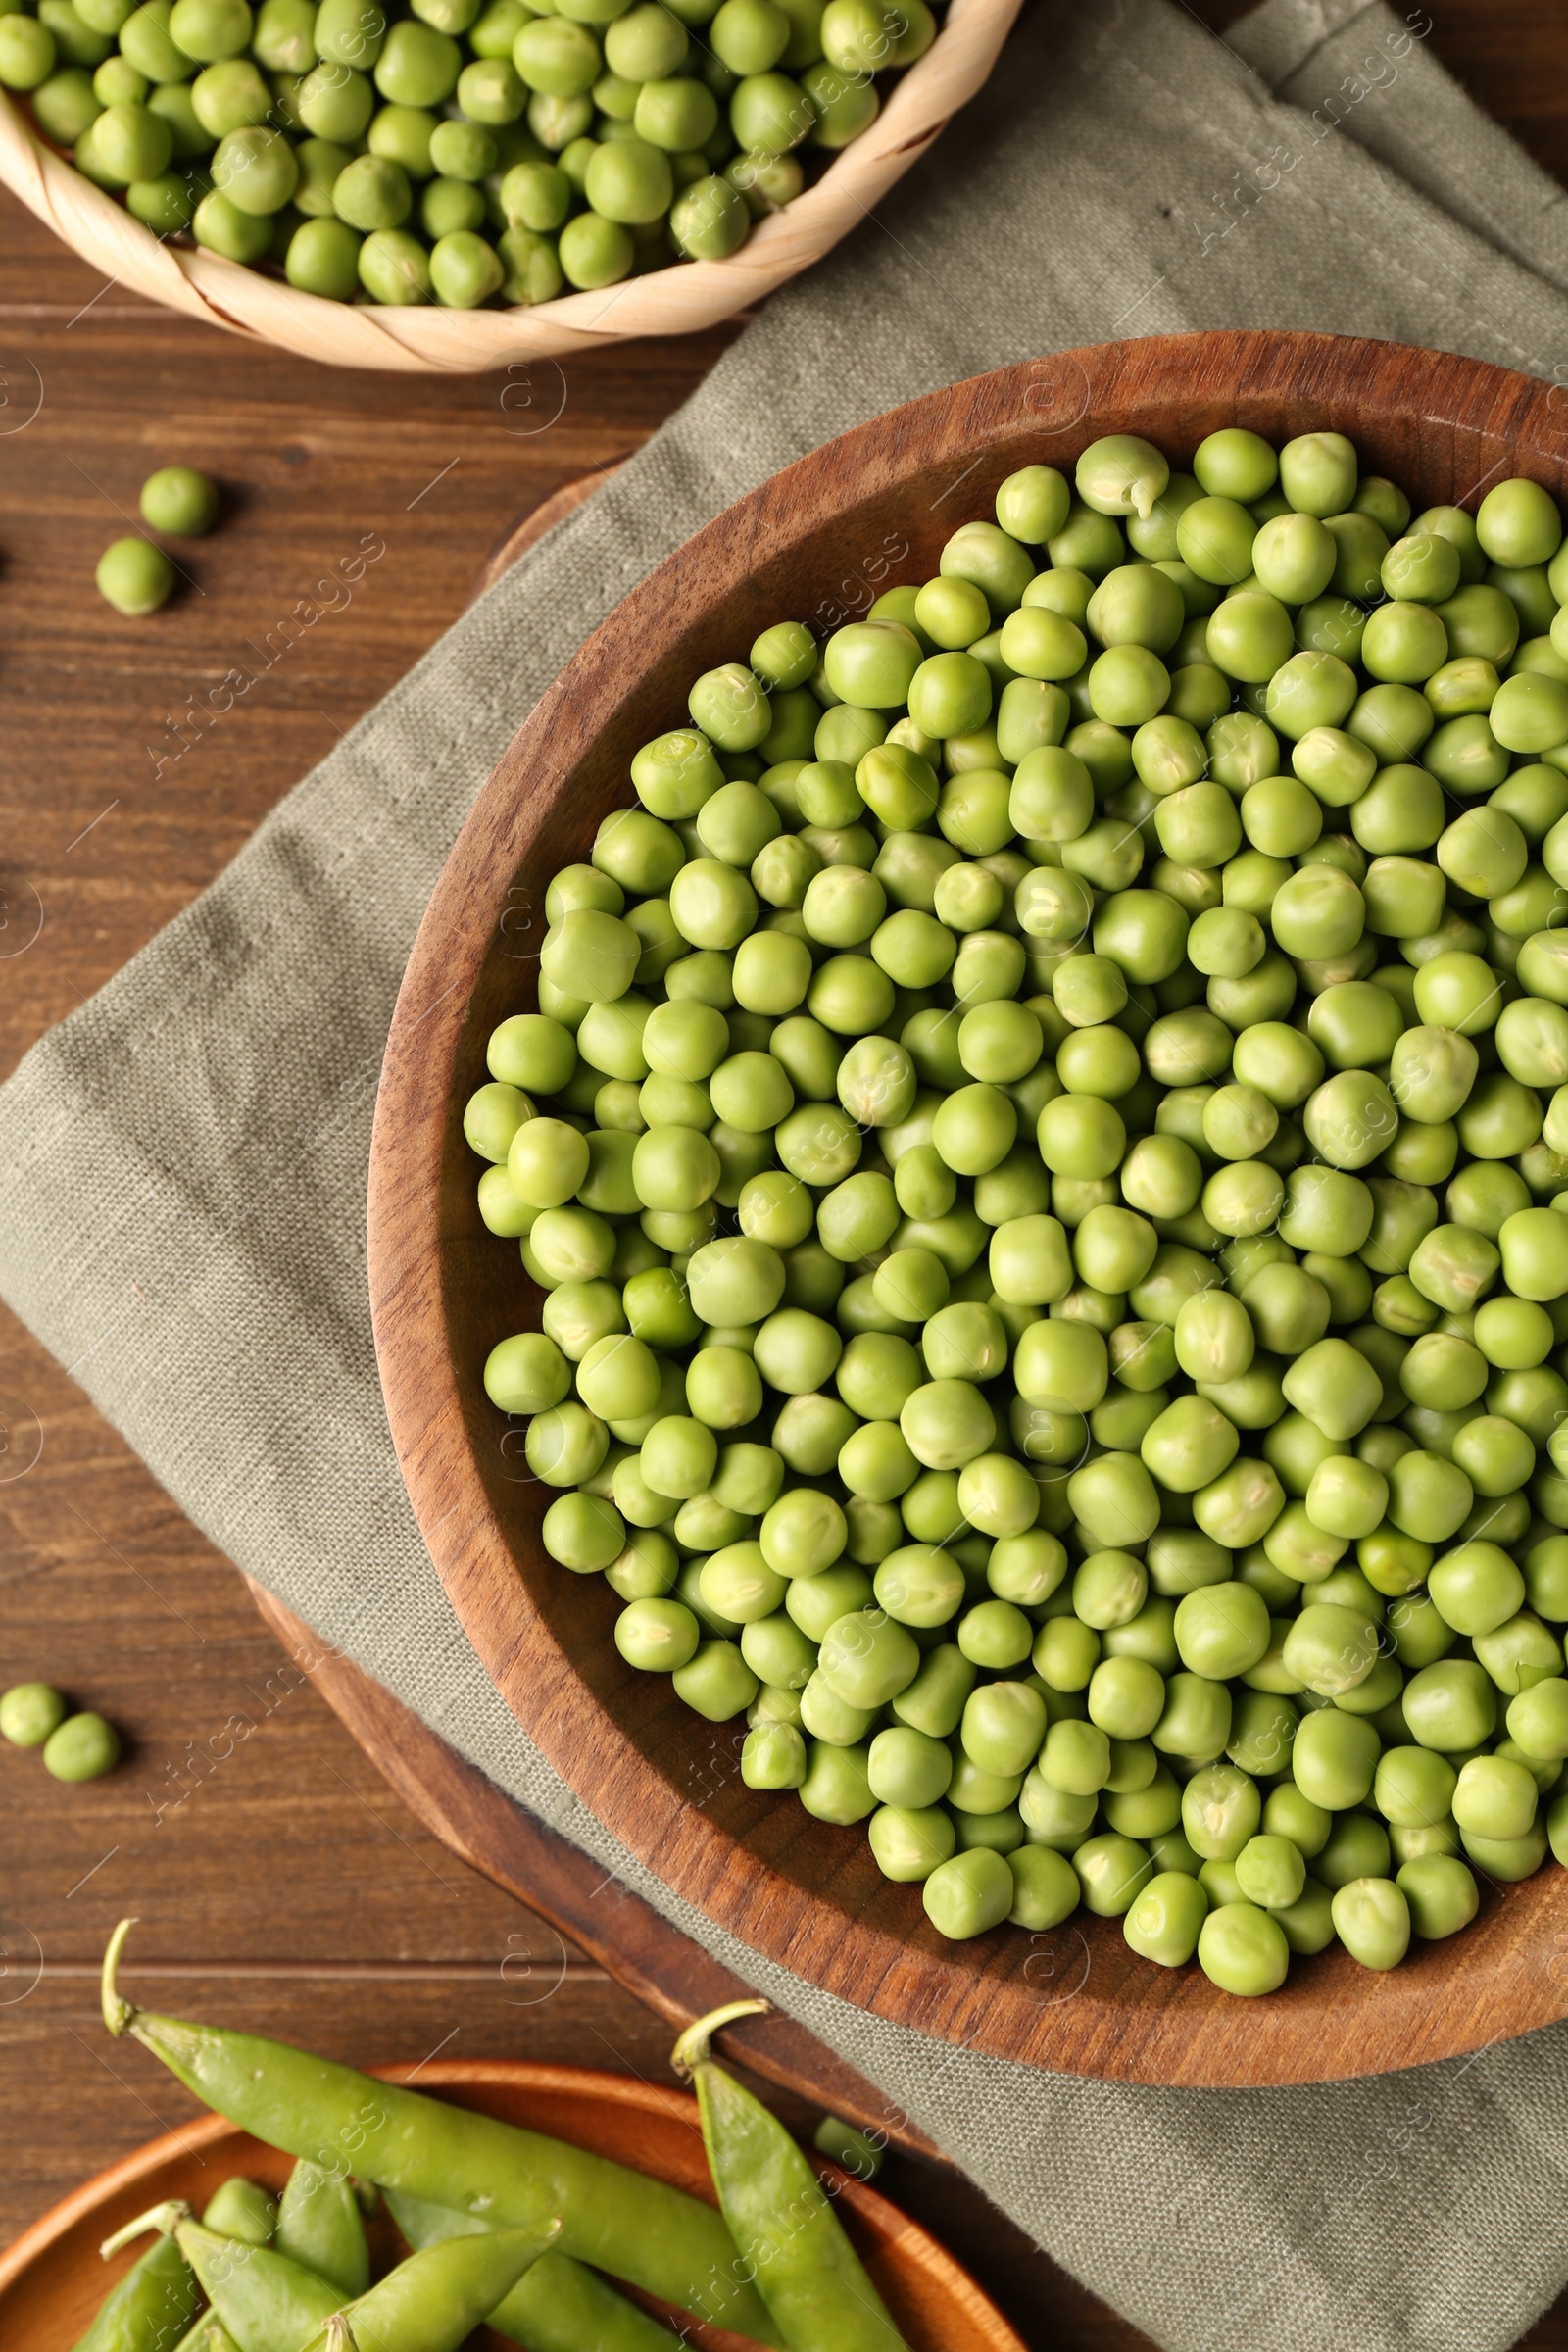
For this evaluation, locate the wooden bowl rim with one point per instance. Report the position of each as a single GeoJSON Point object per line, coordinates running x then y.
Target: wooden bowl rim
{"type": "Point", "coordinates": [901, 2242]}
{"type": "Point", "coordinates": [1333, 2020]}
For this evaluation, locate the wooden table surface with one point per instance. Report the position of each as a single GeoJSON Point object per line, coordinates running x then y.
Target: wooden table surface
{"type": "Point", "coordinates": [281, 1883]}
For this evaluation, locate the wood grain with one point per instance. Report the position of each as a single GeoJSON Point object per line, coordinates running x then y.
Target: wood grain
{"type": "Point", "coordinates": [51, 2280]}
{"type": "Point", "coordinates": [864, 514]}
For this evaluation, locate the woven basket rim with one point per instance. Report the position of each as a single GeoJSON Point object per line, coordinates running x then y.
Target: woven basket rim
{"type": "Point", "coordinates": [681, 299]}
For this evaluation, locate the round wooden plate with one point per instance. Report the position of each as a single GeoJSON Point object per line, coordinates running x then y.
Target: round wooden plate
{"type": "Point", "coordinates": [820, 541]}
{"type": "Point", "coordinates": [52, 2280]}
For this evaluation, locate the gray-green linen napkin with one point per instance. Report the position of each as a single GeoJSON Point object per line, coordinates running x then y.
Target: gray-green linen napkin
{"type": "Point", "coordinates": [1125, 173]}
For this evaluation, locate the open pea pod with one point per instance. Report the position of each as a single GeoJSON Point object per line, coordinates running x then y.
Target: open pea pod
{"type": "Point", "coordinates": [616, 2219]}
{"type": "Point", "coordinates": [434, 2300]}
{"type": "Point", "coordinates": [557, 2306]}
{"type": "Point", "coordinates": [791, 2241]}
{"type": "Point", "coordinates": [149, 2309]}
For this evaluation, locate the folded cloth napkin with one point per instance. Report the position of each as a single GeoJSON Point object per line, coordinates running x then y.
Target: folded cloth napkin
{"type": "Point", "coordinates": [1126, 172]}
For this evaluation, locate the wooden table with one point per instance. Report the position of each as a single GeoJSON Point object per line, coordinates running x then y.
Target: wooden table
{"type": "Point", "coordinates": [115, 808]}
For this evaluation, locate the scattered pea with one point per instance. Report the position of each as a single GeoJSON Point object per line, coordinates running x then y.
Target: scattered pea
{"type": "Point", "coordinates": [180, 500]}
{"type": "Point", "coordinates": [84, 1747]}
{"type": "Point", "coordinates": [135, 577]}
{"type": "Point", "coordinates": [29, 1713]}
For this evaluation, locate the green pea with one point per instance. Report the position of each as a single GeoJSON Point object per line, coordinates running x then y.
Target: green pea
{"type": "Point", "coordinates": [1372, 1920]}
{"type": "Point", "coordinates": [657, 1636]}
{"type": "Point", "coordinates": [1507, 1858]}
{"type": "Point", "coordinates": [1331, 1649]}
{"type": "Point", "coordinates": [134, 576]}
{"type": "Point", "coordinates": [1334, 1759]}
{"type": "Point", "coordinates": [1347, 1498]}
{"type": "Point", "coordinates": [968, 1894]}
{"type": "Point", "coordinates": [1127, 685]}
{"type": "Point", "coordinates": [28, 52]}
{"type": "Point", "coordinates": [1537, 1719]}
{"type": "Point", "coordinates": [1476, 1588]}
{"type": "Point", "coordinates": [1517, 523]}
{"type": "Point", "coordinates": [835, 1787]}
{"type": "Point", "coordinates": [773, 1756]}
{"type": "Point", "coordinates": [1270, 1872]}
{"type": "Point", "coordinates": [84, 1747]}
{"type": "Point", "coordinates": [920, 1584]}
{"type": "Point", "coordinates": [1288, 1812]}
{"type": "Point", "coordinates": [1358, 1847]}
{"type": "Point", "coordinates": [1442, 1895]}
{"type": "Point", "coordinates": [584, 1533]}
{"type": "Point", "coordinates": [1234, 464]}
{"type": "Point", "coordinates": [1030, 716]}
{"type": "Point", "coordinates": [1242, 1949]}
{"type": "Point", "coordinates": [1495, 1799]}
{"type": "Point", "coordinates": [1220, 1810]}
{"type": "Point", "coordinates": [1045, 1888]}
{"type": "Point", "coordinates": [1450, 1705]}
{"type": "Point", "coordinates": [910, 1841]}
{"type": "Point", "coordinates": [30, 1713]}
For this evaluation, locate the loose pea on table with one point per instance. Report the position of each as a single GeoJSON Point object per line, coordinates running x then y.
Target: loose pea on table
{"type": "Point", "coordinates": [1044, 1142]}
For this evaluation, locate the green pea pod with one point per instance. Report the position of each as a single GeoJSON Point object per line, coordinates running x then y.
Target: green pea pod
{"type": "Point", "coordinates": [791, 2239]}
{"type": "Point", "coordinates": [266, 2302]}
{"type": "Point", "coordinates": [655, 2237]}
{"type": "Point", "coordinates": [434, 2300]}
{"type": "Point", "coordinates": [242, 2209]}
{"type": "Point", "coordinates": [559, 2306]}
{"type": "Point", "coordinates": [149, 2309]}
{"type": "Point", "coordinates": [319, 2224]}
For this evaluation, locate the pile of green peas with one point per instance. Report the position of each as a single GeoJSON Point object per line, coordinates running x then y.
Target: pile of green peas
{"type": "Point", "coordinates": [1044, 1144]}
{"type": "Point", "coordinates": [455, 151]}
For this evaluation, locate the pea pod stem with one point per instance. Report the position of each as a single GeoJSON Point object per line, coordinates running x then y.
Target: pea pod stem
{"type": "Point", "coordinates": [791, 2241]}
{"type": "Point", "coordinates": [612, 2217]}
{"type": "Point", "coordinates": [165, 2219]}
{"type": "Point", "coordinates": [692, 2050]}
{"type": "Point", "coordinates": [151, 2309]}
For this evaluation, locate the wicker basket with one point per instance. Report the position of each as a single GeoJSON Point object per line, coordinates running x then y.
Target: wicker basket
{"type": "Point", "coordinates": [676, 301]}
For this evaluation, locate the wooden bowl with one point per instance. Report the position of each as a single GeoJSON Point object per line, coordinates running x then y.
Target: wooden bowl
{"type": "Point", "coordinates": [440, 342]}
{"type": "Point", "coordinates": [52, 2280]}
{"type": "Point", "coordinates": [822, 540]}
